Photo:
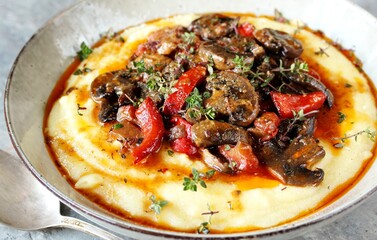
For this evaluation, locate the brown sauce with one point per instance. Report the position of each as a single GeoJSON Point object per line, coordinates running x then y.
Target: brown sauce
{"type": "Point", "coordinates": [327, 129]}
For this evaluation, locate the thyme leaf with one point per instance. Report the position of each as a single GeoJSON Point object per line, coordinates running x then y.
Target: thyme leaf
{"type": "Point", "coordinates": [84, 52]}
{"type": "Point", "coordinates": [197, 178]}
{"type": "Point", "coordinates": [170, 153]}
{"type": "Point", "coordinates": [157, 205]}
{"type": "Point", "coordinates": [194, 106]}
{"type": "Point", "coordinates": [188, 37]}
{"type": "Point", "coordinates": [83, 71]}
{"type": "Point", "coordinates": [141, 68]}
{"type": "Point", "coordinates": [242, 65]}
{"type": "Point", "coordinates": [204, 226]}
{"type": "Point", "coordinates": [341, 117]}
{"type": "Point", "coordinates": [117, 126]}
{"type": "Point", "coordinates": [195, 99]}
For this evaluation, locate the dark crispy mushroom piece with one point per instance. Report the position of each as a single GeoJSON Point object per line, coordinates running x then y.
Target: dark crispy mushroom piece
{"type": "Point", "coordinates": [312, 84]}
{"type": "Point", "coordinates": [108, 88]}
{"type": "Point", "coordinates": [279, 42]}
{"type": "Point", "coordinates": [233, 96]}
{"type": "Point", "coordinates": [108, 111]}
{"type": "Point", "coordinates": [112, 83]}
{"type": "Point", "coordinates": [213, 26]}
{"type": "Point", "coordinates": [292, 165]}
{"type": "Point", "coordinates": [209, 133]}
{"type": "Point", "coordinates": [242, 45]}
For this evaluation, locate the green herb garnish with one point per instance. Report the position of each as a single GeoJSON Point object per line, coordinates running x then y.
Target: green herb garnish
{"type": "Point", "coordinates": [204, 228]}
{"type": "Point", "coordinates": [84, 52]}
{"type": "Point", "coordinates": [157, 205]}
{"type": "Point", "coordinates": [194, 106]}
{"type": "Point", "coordinates": [242, 65]}
{"type": "Point", "coordinates": [170, 153]}
{"type": "Point", "coordinates": [188, 37]}
{"type": "Point", "coordinates": [117, 126]}
{"type": "Point", "coordinates": [197, 178]}
{"type": "Point", "coordinates": [80, 72]}
{"type": "Point", "coordinates": [341, 117]}
{"type": "Point", "coordinates": [140, 67]}
{"type": "Point", "coordinates": [370, 134]}
{"type": "Point", "coordinates": [195, 99]}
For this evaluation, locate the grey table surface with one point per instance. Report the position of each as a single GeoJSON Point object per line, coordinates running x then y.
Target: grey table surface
{"type": "Point", "coordinates": [21, 18]}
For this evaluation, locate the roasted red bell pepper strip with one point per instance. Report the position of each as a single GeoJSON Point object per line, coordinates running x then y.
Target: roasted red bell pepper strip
{"type": "Point", "coordinates": [287, 104]}
{"type": "Point", "coordinates": [152, 128]}
{"type": "Point", "coordinates": [186, 83]}
{"type": "Point", "coordinates": [183, 144]}
{"type": "Point", "coordinates": [242, 156]}
{"type": "Point", "coordinates": [246, 29]}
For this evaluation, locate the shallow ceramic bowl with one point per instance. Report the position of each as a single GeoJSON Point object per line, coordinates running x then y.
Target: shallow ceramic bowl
{"type": "Point", "coordinates": [45, 57]}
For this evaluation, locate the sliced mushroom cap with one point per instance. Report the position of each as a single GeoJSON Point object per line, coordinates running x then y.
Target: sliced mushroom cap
{"type": "Point", "coordinates": [209, 133]}
{"type": "Point", "coordinates": [233, 96]}
{"type": "Point", "coordinates": [292, 165]}
{"type": "Point", "coordinates": [167, 39]}
{"type": "Point", "coordinates": [213, 26]}
{"type": "Point", "coordinates": [108, 89]}
{"type": "Point", "coordinates": [242, 45]}
{"type": "Point", "coordinates": [279, 42]}
{"type": "Point", "coordinates": [109, 84]}
{"type": "Point", "coordinates": [222, 58]}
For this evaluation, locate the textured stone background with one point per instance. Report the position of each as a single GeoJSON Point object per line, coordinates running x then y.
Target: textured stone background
{"type": "Point", "coordinates": [21, 18]}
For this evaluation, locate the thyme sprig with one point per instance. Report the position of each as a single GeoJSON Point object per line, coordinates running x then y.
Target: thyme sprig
{"type": "Point", "coordinates": [322, 51]}
{"type": "Point", "coordinates": [195, 109]}
{"type": "Point", "coordinates": [298, 67]}
{"type": "Point", "coordinates": [297, 116]}
{"type": "Point", "coordinates": [141, 68]}
{"type": "Point", "coordinates": [242, 65]}
{"type": "Point", "coordinates": [371, 135]}
{"type": "Point", "coordinates": [188, 37]}
{"type": "Point", "coordinates": [197, 178]}
{"type": "Point", "coordinates": [157, 205]}
{"type": "Point", "coordinates": [257, 78]}
{"type": "Point", "coordinates": [204, 226]}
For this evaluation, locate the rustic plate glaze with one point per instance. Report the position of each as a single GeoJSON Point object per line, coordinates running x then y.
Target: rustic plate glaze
{"type": "Point", "coordinates": [47, 54]}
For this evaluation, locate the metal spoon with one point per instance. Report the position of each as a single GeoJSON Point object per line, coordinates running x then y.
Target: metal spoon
{"type": "Point", "coordinates": [27, 205]}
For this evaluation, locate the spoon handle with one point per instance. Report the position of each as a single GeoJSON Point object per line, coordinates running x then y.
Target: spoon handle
{"type": "Point", "coordinates": [86, 227]}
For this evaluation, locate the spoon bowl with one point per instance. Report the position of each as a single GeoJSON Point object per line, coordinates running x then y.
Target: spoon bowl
{"type": "Point", "coordinates": [28, 205]}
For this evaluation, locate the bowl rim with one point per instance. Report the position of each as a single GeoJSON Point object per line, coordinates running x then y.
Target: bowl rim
{"type": "Point", "coordinates": [290, 227]}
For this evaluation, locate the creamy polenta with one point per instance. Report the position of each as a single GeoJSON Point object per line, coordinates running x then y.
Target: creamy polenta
{"type": "Point", "coordinates": [152, 192]}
